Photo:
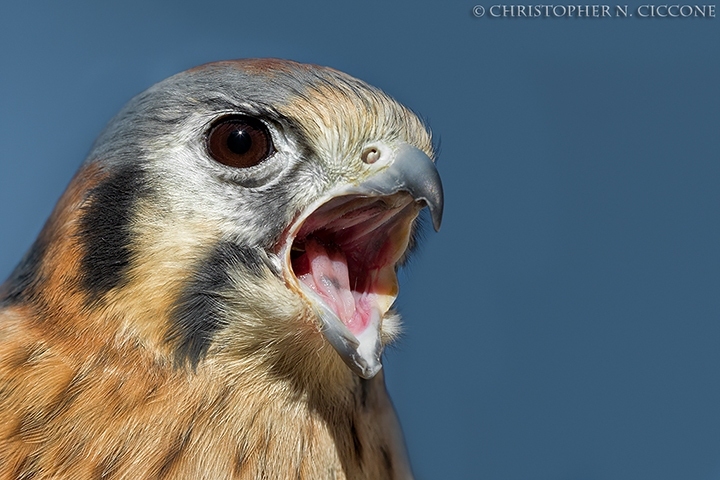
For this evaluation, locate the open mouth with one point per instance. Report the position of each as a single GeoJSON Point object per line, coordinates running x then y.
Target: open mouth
{"type": "Point", "coordinates": [346, 253]}
{"type": "Point", "coordinates": [341, 255]}
{"type": "Point", "coordinates": [343, 258]}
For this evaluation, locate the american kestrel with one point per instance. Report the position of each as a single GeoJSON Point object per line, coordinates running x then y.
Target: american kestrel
{"type": "Point", "coordinates": [212, 294]}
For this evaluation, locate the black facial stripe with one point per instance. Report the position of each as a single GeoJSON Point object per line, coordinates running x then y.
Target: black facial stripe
{"type": "Point", "coordinates": [105, 230]}
{"type": "Point", "coordinates": [198, 313]}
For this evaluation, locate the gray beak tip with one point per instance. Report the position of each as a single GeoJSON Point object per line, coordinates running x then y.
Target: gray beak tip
{"type": "Point", "coordinates": [436, 220]}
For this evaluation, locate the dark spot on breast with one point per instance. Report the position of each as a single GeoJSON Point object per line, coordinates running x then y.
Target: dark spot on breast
{"type": "Point", "coordinates": [199, 311]}
{"type": "Point", "coordinates": [105, 230]}
{"type": "Point", "coordinates": [175, 453]}
{"type": "Point", "coordinates": [32, 425]}
{"type": "Point", "coordinates": [27, 469]}
{"type": "Point", "coordinates": [78, 383]}
{"type": "Point", "coordinates": [17, 357]}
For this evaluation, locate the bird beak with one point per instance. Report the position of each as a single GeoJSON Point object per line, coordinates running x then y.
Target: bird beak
{"type": "Point", "coordinates": [342, 253]}
{"type": "Point", "coordinates": [409, 170]}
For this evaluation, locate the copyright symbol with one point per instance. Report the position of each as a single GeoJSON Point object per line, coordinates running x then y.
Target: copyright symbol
{"type": "Point", "coordinates": [478, 11]}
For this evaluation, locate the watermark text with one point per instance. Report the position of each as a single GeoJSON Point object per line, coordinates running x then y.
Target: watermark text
{"type": "Point", "coordinates": [594, 11]}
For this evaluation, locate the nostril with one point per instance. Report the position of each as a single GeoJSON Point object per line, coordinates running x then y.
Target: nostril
{"type": "Point", "coordinates": [370, 155]}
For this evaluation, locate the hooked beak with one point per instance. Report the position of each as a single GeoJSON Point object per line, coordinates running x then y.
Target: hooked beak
{"type": "Point", "coordinates": [342, 253]}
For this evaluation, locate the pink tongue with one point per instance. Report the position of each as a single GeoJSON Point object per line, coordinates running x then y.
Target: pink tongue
{"type": "Point", "coordinates": [328, 277]}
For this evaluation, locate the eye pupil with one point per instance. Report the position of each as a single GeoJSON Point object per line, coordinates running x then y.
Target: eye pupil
{"type": "Point", "coordinates": [239, 141]}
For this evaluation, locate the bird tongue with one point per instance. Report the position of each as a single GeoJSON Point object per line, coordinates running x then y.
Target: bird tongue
{"type": "Point", "coordinates": [328, 277]}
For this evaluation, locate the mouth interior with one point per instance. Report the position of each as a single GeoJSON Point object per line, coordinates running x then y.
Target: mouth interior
{"type": "Point", "coordinates": [346, 252]}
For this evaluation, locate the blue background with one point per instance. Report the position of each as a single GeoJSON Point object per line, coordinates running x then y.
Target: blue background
{"type": "Point", "coordinates": [565, 322]}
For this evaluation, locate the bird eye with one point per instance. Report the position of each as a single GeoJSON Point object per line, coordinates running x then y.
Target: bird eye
{"type": "Point", "coordinates": [239, 142]}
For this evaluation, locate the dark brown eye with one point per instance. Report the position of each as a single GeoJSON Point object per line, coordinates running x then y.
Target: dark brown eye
{"type": "Point", "coordinates": [240, 142]}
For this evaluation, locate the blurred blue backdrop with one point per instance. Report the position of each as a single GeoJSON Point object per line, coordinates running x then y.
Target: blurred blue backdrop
{"type": "Point", "coordinates": [565, 322]}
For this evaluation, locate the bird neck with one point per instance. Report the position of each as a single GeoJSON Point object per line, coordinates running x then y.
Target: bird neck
{"type": "Point", "coordinates": [268, 396]}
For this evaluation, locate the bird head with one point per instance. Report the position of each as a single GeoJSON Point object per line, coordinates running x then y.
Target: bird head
{"type": "Point", "coordinates": [254, 208]}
